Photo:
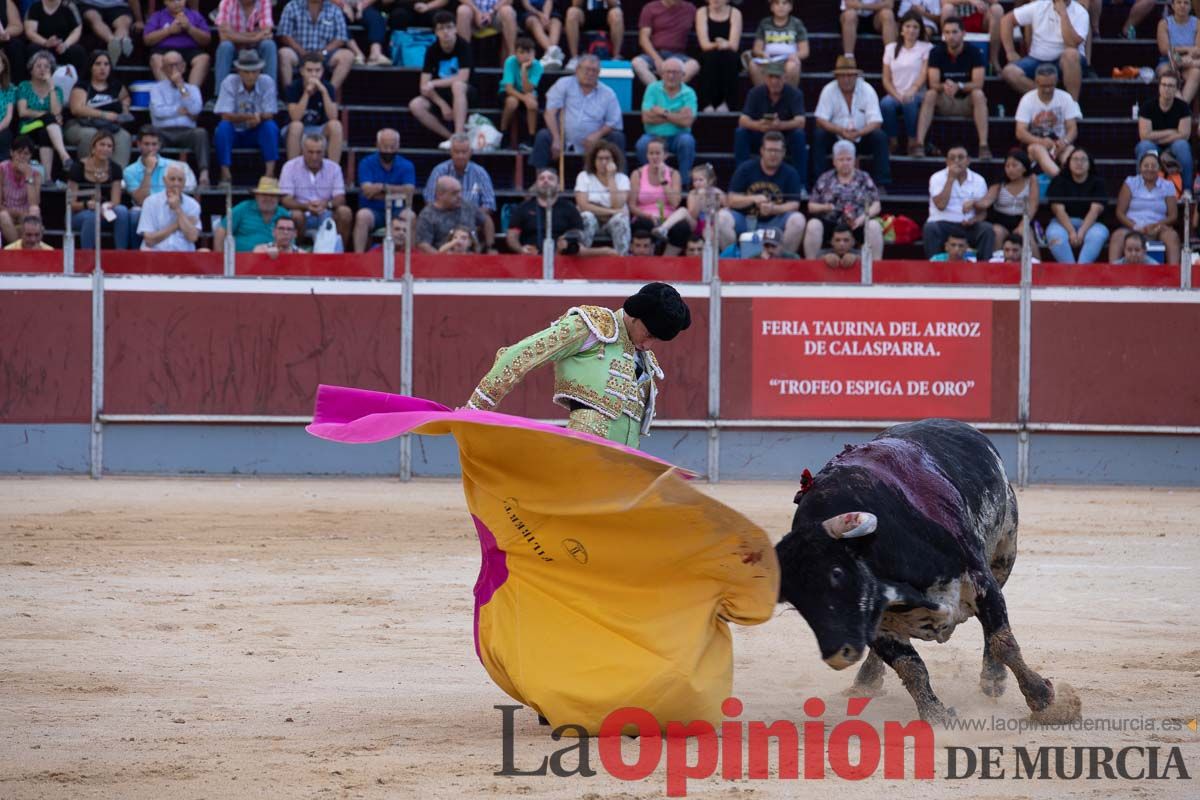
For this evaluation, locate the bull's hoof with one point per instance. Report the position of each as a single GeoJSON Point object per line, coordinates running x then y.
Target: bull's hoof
{"type": "Point", "coordinates": [938, 714]}
{"type": "Point", "coordinates": [865, 690]}
{"type": "Point", "coordinates": [1064, 707]}
{"type": "Point", "coordinates": [993, 685]}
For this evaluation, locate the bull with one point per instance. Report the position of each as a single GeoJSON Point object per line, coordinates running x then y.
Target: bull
{"type": "Point", "coordinates": [903, 538]}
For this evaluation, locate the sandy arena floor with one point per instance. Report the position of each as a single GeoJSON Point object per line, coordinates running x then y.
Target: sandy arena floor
{"type": "Point", "coordinates": [294, 639]}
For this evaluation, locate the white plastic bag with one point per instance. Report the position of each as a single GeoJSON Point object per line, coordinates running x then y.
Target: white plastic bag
{"type": "Point", "coordinates": [65, 79]}
{"type": "Point", "coordinates": [327, 239]}
{"type": "Point", "coordinates": [484, 136]}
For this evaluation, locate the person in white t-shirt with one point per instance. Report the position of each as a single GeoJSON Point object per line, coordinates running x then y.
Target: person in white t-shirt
{"type": "Point", "coordinates": [954, 206]}
{"type": "Point", "coordinates": [905, 66]}
{"type": "Point", "coordinates": [1060, 31]}
{"type": "Point", "coordinates": [1047, 122]}
{"type": "Point", "coordinates": [601, 192]}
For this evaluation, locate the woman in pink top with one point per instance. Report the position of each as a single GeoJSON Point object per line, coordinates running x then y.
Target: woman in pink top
{"type": "Point", "coordinates": [654, 194]}
{"type": "Point", "coordinates": [20, 188]}
{"type": "Point", "coordinates": [905, 65]}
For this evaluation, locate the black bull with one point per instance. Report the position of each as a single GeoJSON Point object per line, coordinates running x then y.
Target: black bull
{"type": "Point", "coordinates": [903, 538]}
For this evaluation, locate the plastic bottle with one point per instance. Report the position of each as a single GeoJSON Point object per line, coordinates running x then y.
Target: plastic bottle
{"type": "Point", "coordinates": [1135, 110]}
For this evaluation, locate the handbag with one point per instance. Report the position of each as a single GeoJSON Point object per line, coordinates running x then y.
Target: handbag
{"type": "Point", "coordinates": [408, 47]}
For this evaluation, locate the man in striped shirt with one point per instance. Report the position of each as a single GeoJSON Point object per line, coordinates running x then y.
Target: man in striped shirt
{"type": "Point", "coordinates": [314, 26]}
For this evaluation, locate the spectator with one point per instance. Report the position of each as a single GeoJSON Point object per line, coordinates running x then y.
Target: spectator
{"type": "Point", "coordinates": [955, 205]}
{"type": "Point", "coordinates": [780, 37]}
{"type": "Point", "coordinates": [695, 247]}
{"type": "Point", "coordinates": [654, 195]}
{"type": "Point", "coordinates": [8, 117]}
{"type": "Point", "coordinates": [40, 105]}
{"type": "Point", "coordinates": [313, 26]}
{"type": "Point", "coordinates": [703, 206]}
{"type": "Point", "coordinates": [772, 245]}
{"type": "Point", "coordinates": [1138, 11]}
{"type": "Point", "coordinates": [589, 112]}
{"type": "Point", "coordinates": [1010, 251]}
{"type": "Point", "coordinates": [1047, 122]}
{"type": "Point", "coordinates": [20, 188]}
{"type": "Point", "coordinates": [844, 196]}
{"type": "Point", "coordinates": [1133, 250]}
{"type": "Point", "coordinates": [98, 170]}
{"type": "Point", "coordinates": [382, 173]}
{"type": "Point", "coordinates": [642, 243]}
{"type": "Point", "coordinates": [980, 16]}
{"type": "Point", "coordinates": [312, 109]}
{"type": "Point", "coordinates": [1077, 199]}
{"type": "Point", "coordinates": [841, 253]}
{"type": "Point", "coordinates": [663, 29]}
{"type": "Point", "coordinates": [773, 107]}
{"type": "Point", "coordinates": [668, 110]}
{"type": "Point", "coordinates": [475, 182]}
{"type": "Point", "coordinates": [246, 24]}
{"type": "Point", "coordinates": [283, 238]}
{"type": "Point", "coordinates": [355, 11]}
{"type": "Point", "coordinates": [252, 222]}
{"type": "Point", "coordinates": [459, 242]}
{"type": "Point", "coordinates": [955, 249]}
{"type": "Point", "coordinates": [409, 14]}
{"type": "Point", "coordinates": [519, 85]}
{"type": "Point", "coordinates": [1179, 45]}
{"type": "Point", "coordinates": [99, 103]}
{"type": "Point", "coordinates": [849, 109]}
{"type": "Point", "coordinates": [174, 107]}
{"type": "Point", "coordinates": [1146, 204]}
{"type": "Point", "coordinates": [246, 105]}
{"type": "Point", "coordinates": [500, 15]}
{"type": "Point", "coordinates": [1059, 30]}
{"type": "Point", "coordinates": [719, 33]}
{"type": "Point", "coordinates": [32, 231]}
{"type": "Point", "coordinates": [956, 81]}
{"type": "Point", "coordinates": [769, 191]}
{"type": "Point", "coordinates": [371, 14]}
{"type": "Point", "coordinates": [1013, 197]}
{"type": "Point", "coordinates": [111, 21]}
{"type": "Point", "coordinates": [54, 26]}
{"type": "Point", "coordinates": [1165, 123]}
{"type": "Point", "coordinates": [855, 12]}
{"type": "Point", "coordinates": [399, 235]}
{"type": "Point", "coordinates": [905, 74]}
{"type": "Point", "coordinates": [594, 15]}
{"type": "Point", "coordinates": [601, 192]}
{"type": "Point", "coordinates": [445, 80]}
{"type": "Point", "coordinates": [176, 28]}
{"type": "Point", "coordinates": [170, 220]}
{"type": "Point", "coordinates": [527, 225]}
{"type": "Point", "coordinates": [148, 172]}
{"type": "Point", "coordinates": [448, 211]}
{"type": "Point", "coordinates": [315, 190]}
{"type": "Point", "coordinates": [12, 40]}
{"type": "Point", "coordinates": [539, 19]}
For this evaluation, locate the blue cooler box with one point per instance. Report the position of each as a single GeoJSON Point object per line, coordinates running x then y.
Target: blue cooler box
{"type": "Point", "coordinates": [618, 76]}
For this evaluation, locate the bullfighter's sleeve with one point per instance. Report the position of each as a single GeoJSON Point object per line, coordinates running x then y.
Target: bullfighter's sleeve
{"type": "Point", "coordinates": [564, 338]}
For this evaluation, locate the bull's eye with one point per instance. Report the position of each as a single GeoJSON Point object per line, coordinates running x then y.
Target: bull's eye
{"type": "Point", "coordinates": [836, 577]}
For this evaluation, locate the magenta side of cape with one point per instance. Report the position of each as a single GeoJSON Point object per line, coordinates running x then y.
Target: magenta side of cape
{"type": "Point", "coordinates": [493, 572]}
{"type": "Point", "coordinates": [360, 416]}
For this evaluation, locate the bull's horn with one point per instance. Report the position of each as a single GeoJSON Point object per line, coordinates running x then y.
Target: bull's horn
{"type": "Point", "coordinates": [850, 526]}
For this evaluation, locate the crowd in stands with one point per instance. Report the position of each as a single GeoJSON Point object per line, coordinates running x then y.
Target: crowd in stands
{"type": "Point", "coordinates": [807, 183]}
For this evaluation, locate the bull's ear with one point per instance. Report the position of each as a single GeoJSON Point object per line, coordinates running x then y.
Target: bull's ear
{"type": "Point", "coordinates": [851, 525]}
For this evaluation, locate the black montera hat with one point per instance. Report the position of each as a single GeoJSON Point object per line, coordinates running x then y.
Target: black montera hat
{"type": "Point", "coordinates": [662, 310]}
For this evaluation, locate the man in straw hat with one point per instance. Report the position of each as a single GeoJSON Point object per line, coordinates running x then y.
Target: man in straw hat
{"type": "Point", "coordinates": [849, 109]}
{"type": "Point", "coordinates": [246, 105]}
{"type": "Point", "coordinates": [604, 371]}
{"type": "Point", "coordinates": [253, 220]}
